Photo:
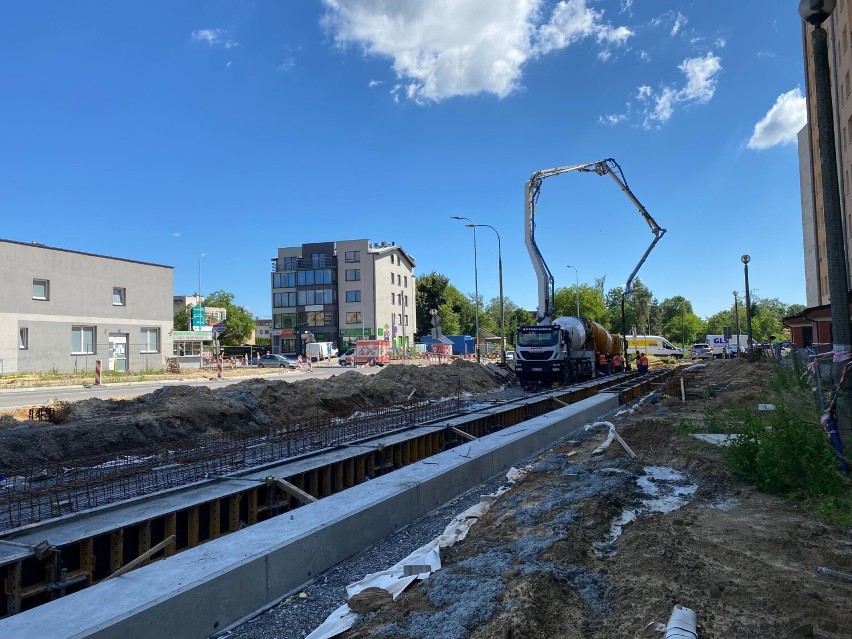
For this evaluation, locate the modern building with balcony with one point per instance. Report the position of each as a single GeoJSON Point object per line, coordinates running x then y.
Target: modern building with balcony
{"type": "Point", "coordinates": [63, 310]}
{"type": "Point", "coordinates": [341, 292]}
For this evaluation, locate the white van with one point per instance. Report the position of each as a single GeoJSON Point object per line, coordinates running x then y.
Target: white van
{"type": "Point", "coordinates": [653, 345]}
{"type": "Point", "coordinates": [320, 350]}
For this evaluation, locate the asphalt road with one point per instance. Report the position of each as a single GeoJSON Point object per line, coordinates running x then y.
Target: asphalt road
{"type": "Point", "coordinates": [22, 397]}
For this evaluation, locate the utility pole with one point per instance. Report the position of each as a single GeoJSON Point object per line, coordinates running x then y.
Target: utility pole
{"type": "Point", "coordinates": [737, 318]}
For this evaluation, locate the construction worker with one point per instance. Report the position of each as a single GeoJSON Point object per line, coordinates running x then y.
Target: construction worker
{"type": "Point", "coordinates": [603, 365]}
{"type": "Point", "coordinates": [616, 363]}
{"type": "Point", "coordinates": [643, 364]}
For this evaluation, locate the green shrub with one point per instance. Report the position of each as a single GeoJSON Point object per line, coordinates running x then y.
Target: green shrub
{"type": "Point", "coordinates": [785, 456]}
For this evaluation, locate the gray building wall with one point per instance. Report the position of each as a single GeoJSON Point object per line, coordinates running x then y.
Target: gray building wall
{"type": "Point", "coordinates": [809, 227]}
{"type": "Point", "coordinates": [80, 294]}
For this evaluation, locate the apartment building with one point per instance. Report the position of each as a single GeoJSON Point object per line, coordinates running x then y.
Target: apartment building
{"type": "Point", "coordinates": [341, 292]}
{"type": "Point", "coordinates": [814, 324]}
{"type": "Point", "coordinates": [62, 310]}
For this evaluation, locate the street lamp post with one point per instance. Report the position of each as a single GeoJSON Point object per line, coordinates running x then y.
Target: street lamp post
{"type": "Point", "coordinates": [500, 277]}
{"type": "Point", "coordinates": [577, 274]}
{"type": "Point", "coordinates": [475, 285]}
{"type": "Point", "coordinates": [815, 12]}
{"type": "Point", "coordinates": [746, 259]}
{"type": "Point", "coordinates": [199, 302]}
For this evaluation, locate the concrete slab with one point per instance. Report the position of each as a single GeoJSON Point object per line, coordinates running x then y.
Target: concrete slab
{"type": "Point", "coordinates": [205, 589]}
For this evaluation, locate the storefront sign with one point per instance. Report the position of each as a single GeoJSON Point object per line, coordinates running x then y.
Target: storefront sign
{"type": "Point", "coordinates": [192, 336]}
{"type": "Point", "coordinates": [356, 332]}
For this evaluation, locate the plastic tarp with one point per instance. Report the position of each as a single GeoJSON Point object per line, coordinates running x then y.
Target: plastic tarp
{"type": "Point", "coordinates": [394, 579]}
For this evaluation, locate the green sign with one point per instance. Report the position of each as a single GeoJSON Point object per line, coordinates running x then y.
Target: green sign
{"type": "Point", "coordinates": [381, 332]}
{"type": "Point", "coordinates": [356, 332]}
{"type": "Point", "coordinates": [199, 316]}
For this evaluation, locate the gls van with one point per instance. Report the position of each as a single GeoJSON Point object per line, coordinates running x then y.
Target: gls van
{"type": "Point", "coordinates": [653, 345]}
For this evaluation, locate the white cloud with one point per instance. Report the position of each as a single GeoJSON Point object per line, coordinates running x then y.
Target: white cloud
{"type": "Point", "coordinates": [721, 43]}
{"type": "Point", "coordinates": [643, 92]}
{"type": "Point", "coordinates": [701, 80]}
{"type": "Point", "coordinates": [288, 64]}
{"type": "Point", "coordinates": [783, 121]}
{"type": "Point", "coordinates": [215, 37]}
{"type": "Point", "coordinates": [177, 234]}
{"type": "Point", "coordinates": [447, 48]}
{"type": "Point", "coordinates": [680, 20]}
{"type": "Point", "coordinates": [612, 119]}
{"type": "Point", "coordinates": [375, 83]}
{"type": "Point", "coordinates": [228, 64]}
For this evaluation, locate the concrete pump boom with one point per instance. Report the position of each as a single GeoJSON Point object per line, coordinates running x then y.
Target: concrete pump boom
{"type": "Point", "coordinates": [546, 290]}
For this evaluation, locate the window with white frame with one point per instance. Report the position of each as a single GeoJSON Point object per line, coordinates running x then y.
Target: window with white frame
{"type": "Point", "coordinates": [23, 338]}
{"type": "Point", "coordinates": [119, 296]}
{"type": "Point", "coordinates": [149, 340]}
{"type": "Point", "coordinates": [82, 340]}
{"type": "Point", "coordinates": [41, 289]}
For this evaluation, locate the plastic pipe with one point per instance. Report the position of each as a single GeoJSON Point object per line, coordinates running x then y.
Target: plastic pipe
{"type": "Point", "coordinates": [683, 624]}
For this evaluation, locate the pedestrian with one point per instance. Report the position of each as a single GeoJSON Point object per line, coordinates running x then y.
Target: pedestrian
{"type": "Point", "coordinates": [603, 365]}
{"type": "Point", "coordinates": [616, 363]}
{"type": "Point", "coordinates": [643, 364]}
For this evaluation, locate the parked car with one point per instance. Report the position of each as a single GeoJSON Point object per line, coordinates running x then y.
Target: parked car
{"type": "Point", "coordinates": [276, 361]}
{"type": "Point", "coordinates": [510, 356]}
{"type": "Point", "coordinates": [731, 349]}
{"type": "Point", "coordinates": [701, 351]}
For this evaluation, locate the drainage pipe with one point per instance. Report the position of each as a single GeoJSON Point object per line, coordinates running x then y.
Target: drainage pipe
{"type": "Point", "coordinates": [683, 624]}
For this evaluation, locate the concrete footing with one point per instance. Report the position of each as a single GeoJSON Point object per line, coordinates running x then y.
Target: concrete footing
{"type": "Point", "coordinates": [205, 589]}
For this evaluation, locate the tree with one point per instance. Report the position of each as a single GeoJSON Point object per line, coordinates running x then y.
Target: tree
{"type": "Point", "coordinates": [591, 304]}
{"type": "Point", "coordinates": [431, 294]}
{"type": "Point", "coordinates": [672, 306]}
{"type": "Point", "coordinates": [685, 329]}
{"type": "Point", "coordinates": [240, 323]}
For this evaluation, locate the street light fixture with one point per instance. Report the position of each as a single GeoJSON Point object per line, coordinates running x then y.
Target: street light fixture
{"type": "Point", "coordinates": [500, 276]}
{"type": "Point", "coordinates": [475, 284]}
{"type": "Point", "coordinates": [577, 274]}
{"type": "Point", "coordinates": [745, 260]}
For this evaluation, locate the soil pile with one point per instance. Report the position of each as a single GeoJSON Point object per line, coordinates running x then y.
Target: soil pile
{"type": "Point", "coordinates": [599, 546]}
{"type": "Point", "coordinates": [176, 415]}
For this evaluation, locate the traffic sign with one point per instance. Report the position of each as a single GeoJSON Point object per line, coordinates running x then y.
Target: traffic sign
{"type": "Point", "coordinates": [199, 316]}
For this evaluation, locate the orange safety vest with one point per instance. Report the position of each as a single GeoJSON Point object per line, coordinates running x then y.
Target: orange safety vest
{"type": "Point", "coordinates": [643, 360]}
{"type": "Point", "coordinates": [616, 361]}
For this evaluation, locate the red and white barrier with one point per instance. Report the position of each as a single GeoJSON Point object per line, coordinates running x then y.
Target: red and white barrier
{"type": "Point", "coordinates": [97, 372]}
{"type": "Point", "coordinates": [219, 368]}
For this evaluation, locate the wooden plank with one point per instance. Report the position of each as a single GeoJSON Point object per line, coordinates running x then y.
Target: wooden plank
{"type": "Point", "coordinates": [234, 512]}
{"type": "Point", "coordinates": [13, 587]}
{"type": "Point", "coordinates": [169, 529]}
{"type": "Point", "coordinates": [215, 526]}
{"type": "Point", "coordinates": [143, 557]}
{"type": "Point", "coordinates": [463, 434]}
{"type": "Point", "coordinates": [116, 549]}
{"type": "Point", "coordinates": [192, 527]}
{"type": "Point", "coordinates": [144, 538]}
{"type": "Point", "coordinates": [87, 557]}
{"type": "Point", "coordinates": [296, 492]}
{"type": "Point", "coordinates": [252, 506]}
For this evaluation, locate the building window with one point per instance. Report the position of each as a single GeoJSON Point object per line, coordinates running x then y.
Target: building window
{"type": "Point", "coordinates": [398, 280]}
{"type": "Point", "coordinates": [41, 289]}
{"type": "Point", "coordinates": [316, 318]}
{"type": "Point", "coordinates": [353, 256]}
{"type": "Point", "coordinates": [118, 296]}
{"type": "Point", "coordinates": [283, 280]}
{"type": "Point", "coordinates": [23, 338]}
{"type": "Point", "coordinates": [405, 281]}
{"type": "Point", "coordinates": [318, 260]}
{"type": "Point", "coordinates": [353, 275]}
{"type": "Point", "coordinates": [353, 318]}
{"type": "Point", "coordinates": [186, 349]}
{"type": "Point", "coordinates": [393, 279]}
{"type": "Point", "coordinates": [317, 296]}
{"type": "Point", "coordinates": [353, 296]}
{"type": "Point", "coordinates": [391, 258]}
{"type": "Point", "coordinates": [284, 320]}
{"type": "Point", "coordinates": [393, 318]}
{"type": "Point", "coordinates": [149, 340]}
{"type": "Point", "coordinates": [393, 298]}
{"type": "Point", "coordinates": [283, 300]}
{"type": "Point", "coordinates": [291, 263]}
{"type": "Point", "coordinates": [82, 340]}
{"type": "Point", "coordinates": [406, 320]}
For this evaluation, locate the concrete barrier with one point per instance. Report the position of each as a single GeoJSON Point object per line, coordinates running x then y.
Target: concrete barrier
{"type": "Point", "coordinates": [205, 589]}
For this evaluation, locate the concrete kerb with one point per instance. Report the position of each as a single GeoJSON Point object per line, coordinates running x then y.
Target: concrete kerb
{"type": "Point", "coordinates": [205, 589]}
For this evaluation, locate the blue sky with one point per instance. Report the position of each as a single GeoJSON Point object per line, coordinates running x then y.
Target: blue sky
{"type": "Point", "coordinates": [159, 131]}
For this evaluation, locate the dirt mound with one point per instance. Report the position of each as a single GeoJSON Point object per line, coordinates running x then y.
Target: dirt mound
{"type": "Point", "coordinates": [595, 547]}
{"type": "Point", "coordinates": [175, 415]}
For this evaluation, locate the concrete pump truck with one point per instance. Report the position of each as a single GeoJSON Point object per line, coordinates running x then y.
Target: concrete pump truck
{"type": "Point", "coordinates": [564, 350]}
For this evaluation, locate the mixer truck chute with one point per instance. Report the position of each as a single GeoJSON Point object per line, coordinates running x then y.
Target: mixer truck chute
{"type": "Point", "coordinates": [572, 342]}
